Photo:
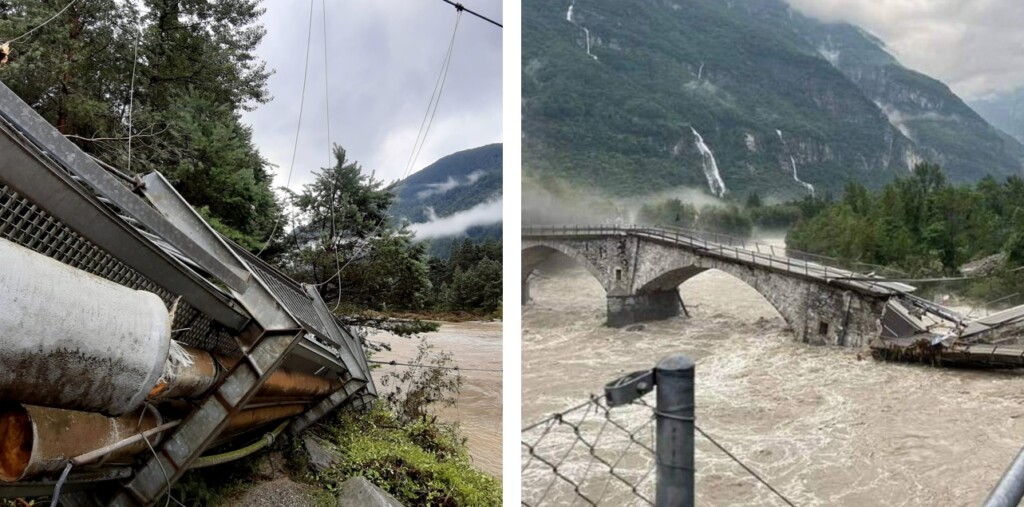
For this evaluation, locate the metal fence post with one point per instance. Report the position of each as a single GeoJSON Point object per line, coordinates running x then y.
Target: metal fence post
{"type": "Point", "coordinates": [674, 376]}
{"type": "Point", "coordinates": [1010, 489]}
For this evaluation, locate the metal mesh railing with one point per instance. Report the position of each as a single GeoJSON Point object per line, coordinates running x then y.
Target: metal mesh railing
{"type": "Point", "coordinates": [591, 454]}
{"type": "Point", "coordinates": [619, 449]}
{"type": "Point", "coordinates": [26, 224]}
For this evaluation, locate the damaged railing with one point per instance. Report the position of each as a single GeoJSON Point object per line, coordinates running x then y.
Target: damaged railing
{"type": "Point", "coordinates": [618, 449]}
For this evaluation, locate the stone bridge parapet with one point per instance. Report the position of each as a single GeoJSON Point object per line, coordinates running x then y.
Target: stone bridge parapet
{"type": "Point", "coordinates": [641, 269]}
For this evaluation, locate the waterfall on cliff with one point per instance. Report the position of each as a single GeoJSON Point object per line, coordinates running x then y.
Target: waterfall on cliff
{"type": "Point", "coordinates": [715, 183]}
{"type": "Point", "coordinates": [586, 33]}
{"type": "Point", "coordinates": [792, 162]}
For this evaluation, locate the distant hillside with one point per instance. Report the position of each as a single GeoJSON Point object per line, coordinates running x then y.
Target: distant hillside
{"type": "Point", "coordinates": [1005, 111]}
{"type": "Point", "coordinates": [736, 96]}
{"type": "Point", "coordinates": [457, 196]}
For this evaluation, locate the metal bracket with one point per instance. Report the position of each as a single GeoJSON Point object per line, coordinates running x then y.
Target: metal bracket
{"type": "Point", "coordinates": [154, 477]}
{"type": "Point", "coordinates": [627, 389]}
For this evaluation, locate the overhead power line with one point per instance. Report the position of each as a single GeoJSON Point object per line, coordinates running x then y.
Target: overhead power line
{"type": "Point", "coordinates": [298, 126]}
{"type": "Point", "coordinates": [421, 138]}
{"type": "Point", "coordinates": [55, 16]}
{"type": "Point", "coordinates": [461, 7]}
{"type": "Point", "coordinates": [454, 368]}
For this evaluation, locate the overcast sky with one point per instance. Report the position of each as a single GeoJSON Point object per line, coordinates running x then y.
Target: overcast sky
{"type": "Point", "coordinates": [383, 58]}
{"type": "Point", "coordinates": [974, 46]}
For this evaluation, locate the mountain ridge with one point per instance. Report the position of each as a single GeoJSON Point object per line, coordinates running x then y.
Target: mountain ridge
{"type": "Point", "coordinates": [626, 97]}
{"type": "Point", "coordinates": [459, 193]}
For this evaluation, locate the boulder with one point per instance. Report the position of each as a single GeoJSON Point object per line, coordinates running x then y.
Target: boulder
{"type": "Point", "coordinates": [359, 492]}
{"type": "Point", "coordinates": [320, 458]}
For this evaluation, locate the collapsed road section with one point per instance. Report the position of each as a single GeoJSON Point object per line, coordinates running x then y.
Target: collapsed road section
{"type": "Point", "coordinates": [916, 330]}
{"type": "Point", "coordinates": [134, 338]}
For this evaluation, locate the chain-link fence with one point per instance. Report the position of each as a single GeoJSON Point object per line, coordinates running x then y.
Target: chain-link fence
{"type": "Point", "coordinates": [591, 454]}
{"type": "Point", "coordinates": [619, 449]}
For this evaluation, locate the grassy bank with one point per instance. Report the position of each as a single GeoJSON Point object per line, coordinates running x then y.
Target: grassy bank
{"type": "Point", "coordinates": [420, 463]}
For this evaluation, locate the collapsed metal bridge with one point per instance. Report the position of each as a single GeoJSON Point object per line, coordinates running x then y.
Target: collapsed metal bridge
{"type": "Point", "coordinates": [134, 338]}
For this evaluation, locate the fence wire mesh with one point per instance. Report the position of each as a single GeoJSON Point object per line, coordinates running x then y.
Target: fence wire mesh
{"type": "Point", "coordinates": [591, 454]}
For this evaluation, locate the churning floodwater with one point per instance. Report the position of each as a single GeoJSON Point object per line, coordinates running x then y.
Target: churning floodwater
{"type": "Point", "coordinates": [478, 409]}
{"type": "Point", "coordinates": [824, 425]}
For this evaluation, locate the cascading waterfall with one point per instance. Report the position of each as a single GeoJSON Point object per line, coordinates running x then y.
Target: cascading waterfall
{"type": "Point", "coordinates": [586, 33]}
{"type": "Point", "coordinates": [792, 162]}
{"type": "Point", "coordinates": [715, 183]}
{"type": "Point", "coordinates": [796, 178]}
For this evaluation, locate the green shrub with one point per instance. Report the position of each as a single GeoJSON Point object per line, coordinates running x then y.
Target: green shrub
{"type": "Point", "coordinates": [420, 463]}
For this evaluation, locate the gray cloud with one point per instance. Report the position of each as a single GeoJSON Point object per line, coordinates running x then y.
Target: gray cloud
{"type": "Point", "coordinates": [383, 59]}
{"type": "Point", "coordinates": [485, 213]}
{"type": "Point", "coordinates": [974, 46]}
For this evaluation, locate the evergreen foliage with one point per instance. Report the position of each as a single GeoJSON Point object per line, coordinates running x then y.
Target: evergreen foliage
{"type": "Point", "coordinates": [924, 226]}
{"type": "Point", "coordinates": [341, 222]}
{"type": "Point", "coordinates": [196, 69]}
{"type": "Point", "coordinates": [454, 183]}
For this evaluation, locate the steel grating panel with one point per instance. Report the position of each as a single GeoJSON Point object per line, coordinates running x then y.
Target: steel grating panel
{"type": "Point", "coordinates": [299, 304]}
{"type": "Point", "coordinates": [24, 223]}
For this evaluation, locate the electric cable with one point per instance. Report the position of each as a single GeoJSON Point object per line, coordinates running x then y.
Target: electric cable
{"type": "Point", "coordinates": [298, 126]}
{"type": "Point", "coordinates": [55, 16]}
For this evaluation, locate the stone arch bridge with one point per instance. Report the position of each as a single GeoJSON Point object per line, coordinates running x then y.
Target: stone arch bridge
{"type": "Point", "coordinates": [641, 268]}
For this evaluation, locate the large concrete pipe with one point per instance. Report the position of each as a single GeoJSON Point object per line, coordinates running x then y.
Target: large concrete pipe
{"type": "Point", "coordinates": [35, 440]}
{"type": "Point", "coordinates": [73, 340]}
{"type": "Point", "coordinates": [195, 377]}
{"type": "Point", "coordinates": [40, 440]}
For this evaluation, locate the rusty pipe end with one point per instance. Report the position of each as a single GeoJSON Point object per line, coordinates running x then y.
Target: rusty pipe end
{"type": "Point", "coordinates": [17, 438]}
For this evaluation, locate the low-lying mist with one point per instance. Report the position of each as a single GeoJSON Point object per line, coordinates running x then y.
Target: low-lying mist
{"type": "Point", "coordinates": [556, 202]}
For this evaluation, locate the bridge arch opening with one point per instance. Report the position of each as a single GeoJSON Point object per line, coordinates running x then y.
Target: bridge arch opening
{"type": "Point", "coordinates": [702, 287]}
{"type": "Point", "coordinates": [554, 256]}
{"type": "Point", "coordinates": [576, 277]}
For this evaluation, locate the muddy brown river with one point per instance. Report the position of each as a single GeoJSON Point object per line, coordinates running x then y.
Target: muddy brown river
{"type": "Point", "coordinates": [478, 410]}
{"type": "Point", "coordinates": [824, 425]}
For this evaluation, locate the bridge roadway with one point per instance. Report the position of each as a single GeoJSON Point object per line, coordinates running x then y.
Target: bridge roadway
{"type": "Point", "coordinates": [641, 268]}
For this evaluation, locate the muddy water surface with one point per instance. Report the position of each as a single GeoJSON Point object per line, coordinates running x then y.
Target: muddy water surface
{"type": "Point", "coordinates": [478, 411]}
{"type": "Point", "coordinates": [826, 426]}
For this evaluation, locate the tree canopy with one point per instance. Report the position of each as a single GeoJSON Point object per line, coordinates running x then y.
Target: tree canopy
{"type": "Point", "coordinates": [195, 69]}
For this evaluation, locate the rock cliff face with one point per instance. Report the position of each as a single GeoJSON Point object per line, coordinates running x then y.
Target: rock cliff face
{"type": "Point", "coordinates": [634, 97]}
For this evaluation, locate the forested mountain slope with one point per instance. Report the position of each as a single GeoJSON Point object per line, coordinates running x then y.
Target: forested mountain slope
{"type": "Point", "coordinates": [734, 97]}
{"type": "Point", "coordinates": [463, 188]}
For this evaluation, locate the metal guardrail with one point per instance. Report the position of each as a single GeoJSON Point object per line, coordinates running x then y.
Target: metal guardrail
{"type": "Point", "coordinates": [601, 453]}
{"type": "Point", "coordinates": [1010, 489]}
{"type": "Point", "coordinates": [697, 240]}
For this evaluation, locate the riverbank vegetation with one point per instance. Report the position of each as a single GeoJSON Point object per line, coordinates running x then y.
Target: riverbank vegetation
{"type": "Point", "coordinates": [732, 218]}
{"type": "Point", "coordinates": [926, 227]}
{"type": "Point", "coordinates": [399, 444]}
